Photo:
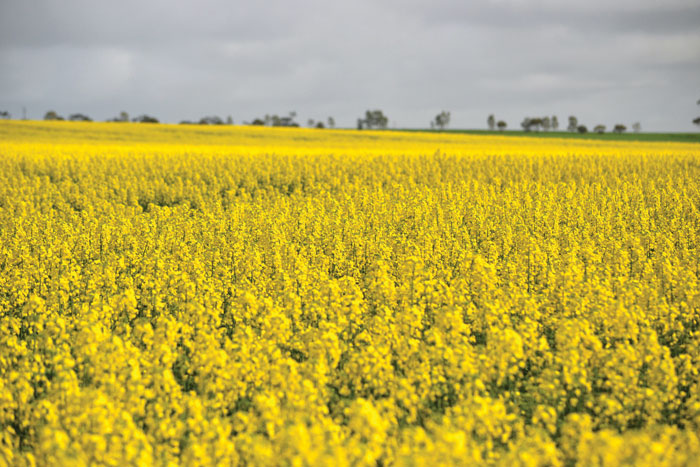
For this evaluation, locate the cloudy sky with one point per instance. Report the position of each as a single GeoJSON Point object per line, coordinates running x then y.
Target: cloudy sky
{"type": "Point", "coordinates": [605, 61]}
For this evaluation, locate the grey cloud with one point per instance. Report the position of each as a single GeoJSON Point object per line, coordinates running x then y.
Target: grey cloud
{"type": "Point", "coordinates": [86, 22]}
{"type": "Point", "coordinates": [601, 60]}
{"type": "Point", "coordinates": [587, 17]}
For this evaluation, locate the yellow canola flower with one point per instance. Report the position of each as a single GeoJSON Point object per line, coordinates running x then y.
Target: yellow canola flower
{"type": "Point", "coordinates": [190, 295]}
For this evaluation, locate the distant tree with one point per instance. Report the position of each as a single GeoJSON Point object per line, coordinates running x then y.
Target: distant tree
{"type": "Point", "coordinates": [285, 121]}
{"type": "Point", "coordinates": [582, 129]}
{"type": "Point", "coordinates": [555, 123]}
{"type": "Point", "coordinates": [540, 123]}
{"type": "Point", "coordinates": [697, 121]}
{"type": "Point", "coordinates": [573, 123]}
{"type": "Point", "coordinates": [275, 120]}
{"type": "Point", "coordinates": [599, 128]}
{"type": "Point", "coordinates": [360, 124]}
{"type": "Point", "coordinates": [546, 123]}
{"type": "Point", "coordinates": [331, 122]}
{"type": "Point", "coordinates": [52, 115]}
{"type": "Point", "coordinates": [186, 122]}
{"type": "Point", "coordinates": [637, 127]}
{"type": "Point", "coordinates": [320, 125]}
{"type": "Point", "coordinates": [619, 128]}
{"type": "Point", "coordinates": [79, 118]}
{"type": "Point", "coordinates": [501, 125]}
{"type": "Point", "coordinates": [122, 117]}
{"type": "Point", "coordinates": [373, 119]}
{"type": "Point", "coordinates": [491, 122]}
{"type": "Point", "coordinates": [229, 120]}
{"type": "Point", "coordinates": [211, 120]}
{"type": "Point", "coordinates": [442, 120]}
{"type": "Point", "coordinates": [530, 124]}
{"type": "Point", "coordinates": [145, 119]}
{"type": "Point", "coordinates": [4, 115]}
{"type": "Point", "coordinates": [310, 122]}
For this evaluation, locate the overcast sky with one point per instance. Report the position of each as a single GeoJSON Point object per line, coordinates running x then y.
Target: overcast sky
{"type": "Point", "coordinates": [605, 61]}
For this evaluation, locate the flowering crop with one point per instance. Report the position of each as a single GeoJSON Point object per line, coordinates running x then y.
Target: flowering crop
{"type": "Point", "coordinates": [198, 296]}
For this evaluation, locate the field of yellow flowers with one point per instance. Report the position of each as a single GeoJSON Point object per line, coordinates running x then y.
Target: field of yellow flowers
{"type": "Point", "coordinates": [186, 295]}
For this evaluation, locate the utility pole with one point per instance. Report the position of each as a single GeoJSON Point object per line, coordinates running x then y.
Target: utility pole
{"type": "Point", "coordinates": [24, 113]}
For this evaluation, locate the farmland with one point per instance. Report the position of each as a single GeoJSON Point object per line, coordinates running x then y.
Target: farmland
{"type": "Point", "coordinates": [191, 295]}
{"type": "Point", "coordinates": [609, 136]}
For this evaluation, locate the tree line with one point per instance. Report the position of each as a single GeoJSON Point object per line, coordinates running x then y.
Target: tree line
{"type": "Point", "coordinates": [267, 120]}
{"type": "Point", "coordinates": [79, 117]}
{"type": "Point", "coordinates": [552, 124]}
{"type": "Point", "coordinates": [372, 119]}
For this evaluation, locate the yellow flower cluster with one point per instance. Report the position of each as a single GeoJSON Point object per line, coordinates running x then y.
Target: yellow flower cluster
{"type": "Point", "coordinates": [224, 296]}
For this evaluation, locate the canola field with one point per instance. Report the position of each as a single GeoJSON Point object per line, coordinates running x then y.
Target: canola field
{"type": "Point", "coordinates": [186, 295]}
